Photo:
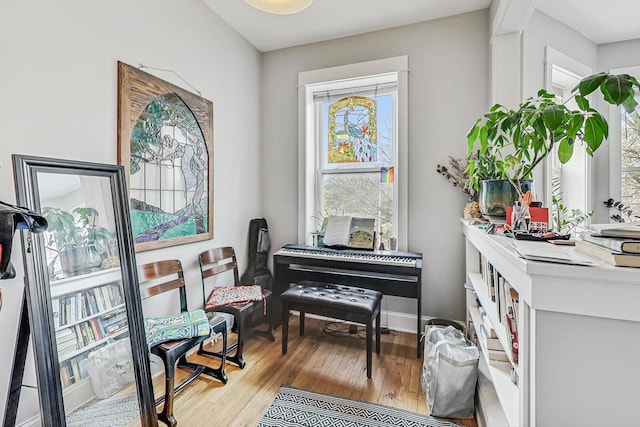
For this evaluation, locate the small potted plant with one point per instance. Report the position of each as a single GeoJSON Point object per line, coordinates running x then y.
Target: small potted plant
{"type": "Point", "coordinates": [76, 239]}
{"type": "Point", "coordinates": [507, 144]}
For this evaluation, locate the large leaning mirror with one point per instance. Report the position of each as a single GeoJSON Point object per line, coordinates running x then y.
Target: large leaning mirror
{"type": "Point", "coordinates": [84, 307]}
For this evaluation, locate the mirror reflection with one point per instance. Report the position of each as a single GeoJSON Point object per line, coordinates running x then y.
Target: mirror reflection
{"type": "Point", "coordinates": [87, 298]}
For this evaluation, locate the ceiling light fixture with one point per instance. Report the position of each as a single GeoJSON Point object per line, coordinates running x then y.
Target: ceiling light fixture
{"type": "Point", "coordinates": [280, 7]}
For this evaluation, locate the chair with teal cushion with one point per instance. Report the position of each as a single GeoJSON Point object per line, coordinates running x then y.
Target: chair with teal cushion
{"type": "Point", "coordinates": [171, 337]}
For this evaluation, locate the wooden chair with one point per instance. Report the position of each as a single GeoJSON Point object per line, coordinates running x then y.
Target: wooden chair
{"type": "Point", "coordinates": [161, 277]}
{"type": "Point", "coordinates": [247, 315]}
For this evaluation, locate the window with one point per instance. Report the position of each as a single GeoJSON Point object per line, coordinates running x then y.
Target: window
{"type": "Point", "coordinates": [357, 141]}
{"type": "Point", "coordinates": [570, 180]}
{"type": "Point", "coordinates": [354, 147]}
{"type": "Point", "coordinates": [625, 154]}
{"type": "Point", "coordinates": [630, 160]}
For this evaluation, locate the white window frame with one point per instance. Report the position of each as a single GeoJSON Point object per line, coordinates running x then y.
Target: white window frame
{"type": "Point", "coordinates": [308, 82]}
{"type": "Point", "coordinates": [615, 141]}
{"type": "Point", "coordinates": [581, 166]}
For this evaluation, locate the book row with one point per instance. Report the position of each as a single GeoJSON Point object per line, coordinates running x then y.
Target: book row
{"type": "Point", "coordinates": [506, 301]}
{"type": "Point", "coordinates": [72, 371]}
{"type": "Point", "coordinates": [82, 334]}
{"type": "Point", "coordinates": [72, 308]}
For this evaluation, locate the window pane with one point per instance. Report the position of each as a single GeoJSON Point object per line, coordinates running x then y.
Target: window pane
{"type": "Point", "coordinates": [361, 195]}
{"type": "Point", "coordinates": [358, 132]}
{"type": "Point", "coordinates": [630, 137]}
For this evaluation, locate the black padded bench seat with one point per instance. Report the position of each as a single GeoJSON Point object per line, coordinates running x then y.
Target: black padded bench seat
{"type": "Point", "coordinates": [336, 301]}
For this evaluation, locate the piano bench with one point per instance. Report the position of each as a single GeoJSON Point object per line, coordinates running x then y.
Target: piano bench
{"type": "Point", "coordinates": [337, 301]}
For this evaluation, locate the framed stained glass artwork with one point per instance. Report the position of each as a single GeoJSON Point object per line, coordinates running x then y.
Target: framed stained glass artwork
{"type": "Point", "coordinates": [352, 130]}
{"type": "Point", "coordinates": [165, 142]}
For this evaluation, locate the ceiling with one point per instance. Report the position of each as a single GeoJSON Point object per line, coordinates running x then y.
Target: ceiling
{"type": "Point", "coordinates": [599, 20]}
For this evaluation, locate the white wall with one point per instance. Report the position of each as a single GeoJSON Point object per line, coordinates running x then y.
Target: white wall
{"type": "Point", "coordinates": [542, 31]}
{"type": "Point", "coordinates": [58, 98]}
{"type": "Point", "coordinates": [448, 81]}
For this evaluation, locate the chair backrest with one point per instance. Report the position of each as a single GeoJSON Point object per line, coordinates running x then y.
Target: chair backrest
{"type": "Point", "coordinates": [162, 276]}
{"type": "Point", "coordinates": [216, 261]}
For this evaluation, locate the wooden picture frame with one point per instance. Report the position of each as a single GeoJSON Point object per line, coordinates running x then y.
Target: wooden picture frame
{"type": "Point", "coordinates": [165, 143]}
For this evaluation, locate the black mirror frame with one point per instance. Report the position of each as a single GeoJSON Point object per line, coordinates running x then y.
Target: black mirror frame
{"type": "Point", "coordinates": [38, 296]}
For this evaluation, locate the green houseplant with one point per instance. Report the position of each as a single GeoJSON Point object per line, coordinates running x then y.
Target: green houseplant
{"type": "Point", "coordinates": [76, 238]}
{"type": "Point", "coordinates": [508, 144]}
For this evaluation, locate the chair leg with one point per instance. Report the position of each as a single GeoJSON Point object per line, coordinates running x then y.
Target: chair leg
{"type": "Point", "coordinates": [285, 327]}
{"type": "Point", "coordinates": [166, 415]}
{"type": "Point", "coordinates": [270, 319]}
{"type": "Point", "coordinates": [301, 322]}
{"type": "Point", "coordinates": [378, 332]}
{"type": "Point", "coordinates": [369, 328]}
{"type": "Point", "coordinates": [237, 356]}
{"type": "Point", "coordinates": [219, 372]}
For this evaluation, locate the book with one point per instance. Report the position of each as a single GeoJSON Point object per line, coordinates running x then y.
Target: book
{"type": "Point", "coordinates": [498, 355]}
{"type": "Point", "coordinates": [512, 336]}
{"type": "Point", "coordinates": [542, 251]}
{"type": "Point", "coordinates": [627, 229]}
{"type": "Point", "coordinates": [488, 342]}
{"type": "Point", "coordinates": [619, 244]}
{"type": "Point", "coordinates": [350, 232]}
{"type": "Point", "coordinates": [607, 255]}
{"type": "Point", "coordinates": [55, 309]}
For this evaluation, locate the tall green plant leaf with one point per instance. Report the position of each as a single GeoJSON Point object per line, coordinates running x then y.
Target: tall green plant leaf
{"type": "Point", "coordinates": [565, 150]}
{"type": "Point", "coordinates": [595, 130]}
{"type": "Point", "coordinates": [553, 116]}
{"type": "Point", "coordinates": [589, 84]}
{"type": "Point", "coordinates": [617, 88]}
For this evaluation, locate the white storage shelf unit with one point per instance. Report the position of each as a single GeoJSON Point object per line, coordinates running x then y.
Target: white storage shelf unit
{"type": "Point", "coordinates": [80, 390]}
{"type": "Point", "coordinates": [579, 340]}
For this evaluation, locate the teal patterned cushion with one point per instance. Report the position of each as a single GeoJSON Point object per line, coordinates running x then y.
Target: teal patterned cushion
{"type": "Point", "coordinates": [187, 324]}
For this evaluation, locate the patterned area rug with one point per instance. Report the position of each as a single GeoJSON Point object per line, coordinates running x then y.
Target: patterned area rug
{"type": "Point", "coordinates": [111, 412]}
{"type": "Point", "coordinates": [294, 407]}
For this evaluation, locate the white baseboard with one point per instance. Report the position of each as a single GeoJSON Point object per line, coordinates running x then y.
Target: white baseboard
{"type": "Point", "coordinates": [31, 422]}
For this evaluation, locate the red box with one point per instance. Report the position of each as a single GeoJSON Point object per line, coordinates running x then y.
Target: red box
{"type": "Point", "coordinates": [539, 218]}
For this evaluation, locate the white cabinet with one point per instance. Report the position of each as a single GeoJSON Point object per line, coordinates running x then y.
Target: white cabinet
{"type": "Point", "coordinates": [578, 339]}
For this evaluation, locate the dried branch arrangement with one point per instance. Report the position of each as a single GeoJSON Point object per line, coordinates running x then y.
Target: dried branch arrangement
{"type": "Point", "coordinates": [456, 174]}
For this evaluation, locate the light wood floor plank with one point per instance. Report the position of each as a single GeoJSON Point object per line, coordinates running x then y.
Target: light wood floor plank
{"type": "Point", "coordinates": [317, 361]}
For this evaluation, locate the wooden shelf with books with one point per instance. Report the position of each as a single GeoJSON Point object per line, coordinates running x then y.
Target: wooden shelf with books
{"type": "Point", "coordinates": [553, 308]}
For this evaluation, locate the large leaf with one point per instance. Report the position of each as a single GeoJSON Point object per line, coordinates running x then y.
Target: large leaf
{"type": "Point", "coordinates": [553, 116]}
{"type": "Point", "coordinates": [589, 84]}
{"type": "Point", "coordinates": [583, 103]}
{"type": "Point", "coordinates": [472, 135]}
{"type": "Point", "coordinates": [574, 125]}
{"type": "Point", "coordinates": [538, 126]}
{"type": "Point", "coordinates": [595, 131]}
{"type": "Point", "coordinates": [565, 150]}
{"type": "Point", "coordinates": [617, 88]}
{"type": "Point", "coordinates": [482, 135]}
{"type": "Point", "coordinates": [630, 103]}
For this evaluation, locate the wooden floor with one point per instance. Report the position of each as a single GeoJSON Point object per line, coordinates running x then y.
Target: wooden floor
{"type": "Point", "coordinates": [319, 362]}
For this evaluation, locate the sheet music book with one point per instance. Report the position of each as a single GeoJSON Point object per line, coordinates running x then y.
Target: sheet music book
{"type": "Point", "coordinates": [351, 232]}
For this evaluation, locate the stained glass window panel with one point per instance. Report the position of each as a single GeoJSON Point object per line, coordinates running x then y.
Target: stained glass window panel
{"type": "Point", "coordinates": [352, 130]}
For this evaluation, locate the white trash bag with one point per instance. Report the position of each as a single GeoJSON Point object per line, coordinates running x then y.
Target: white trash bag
{"type": "Point", "coordinates": [449, 372]}
{"type": "Point", "coordinates": [110, 368]}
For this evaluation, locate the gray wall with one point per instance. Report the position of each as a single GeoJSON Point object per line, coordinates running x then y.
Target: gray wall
{"type": "Point", "coordinates": [58, 98]}
{"type": "Point", "coordinates": [448, 81]}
